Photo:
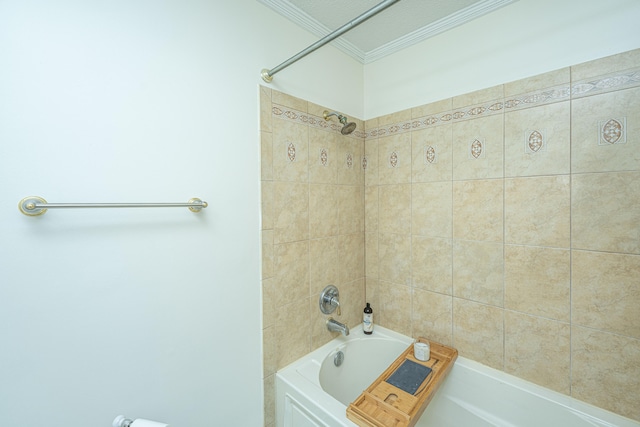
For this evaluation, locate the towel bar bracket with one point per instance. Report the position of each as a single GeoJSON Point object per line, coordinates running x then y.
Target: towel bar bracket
{"type": "Point", "coordinates": [28, 206]}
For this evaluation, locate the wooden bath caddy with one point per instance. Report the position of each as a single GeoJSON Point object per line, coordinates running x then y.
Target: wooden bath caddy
{"type": "Point", "coordinates": [385, 405]}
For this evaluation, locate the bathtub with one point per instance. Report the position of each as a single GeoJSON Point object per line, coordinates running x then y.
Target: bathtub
{"type": "Point", "coordinates": [313, 392]}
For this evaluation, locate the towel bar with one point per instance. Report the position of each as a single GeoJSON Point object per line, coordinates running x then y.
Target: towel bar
{"type": "Point", "coordinates": [34, 205]}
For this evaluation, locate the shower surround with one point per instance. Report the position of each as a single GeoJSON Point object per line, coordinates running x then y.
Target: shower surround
{"type": "Point", "coordinates": [504, 222]}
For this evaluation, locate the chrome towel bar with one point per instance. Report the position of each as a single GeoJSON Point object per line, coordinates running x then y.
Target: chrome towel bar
{"type": "Point", "coordinates": [34, 205]}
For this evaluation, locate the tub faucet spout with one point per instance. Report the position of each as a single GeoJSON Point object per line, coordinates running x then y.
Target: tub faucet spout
{"type": "Point", "coordinates": [335, 326]}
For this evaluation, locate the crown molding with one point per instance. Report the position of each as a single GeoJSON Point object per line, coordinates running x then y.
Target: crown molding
{"type": "Point", "coordinates": [440, 26]}
{"type": "Point", "coordinates": [308, 23]}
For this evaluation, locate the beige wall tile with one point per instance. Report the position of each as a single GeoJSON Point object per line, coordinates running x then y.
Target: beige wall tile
{"type": "Point", "coordinates": [265, 109]}
{"type": "Point", "coordinates": [290, 151]}
{"type": "Point", "coordinates": [478, 148]}
{"type": "Point", "coordinates": [478, 271]}
{"type": "Point", "coordinates": [323, 157]}
{"type": "Point", "coordinates": [394, 307]}
{"type": "Point", "coordinates": [269, 301]}
{"type": "Point", "coordinates": [350, 152]}
{"type": "Point", "coordinates": [292, 331]}
{"type": "Point", "coordinates": [371, 255]}
{"type": "Point", "coordinates": [286, 100]}
{"type": "Point", "coordinates": [477, 97]}
{"type": "Point", "coordinates": [393, 118]}
{"type": "Point", "coordinates": [432, 264]}
{"type": "Point", "coordinates": [431, 209]}
{"type": "Point", "coordinates": [350, 257]}
{"type": "Point", "coordinates": [394, 159]}
{"type": "Point", "coordinates": [432, 316]}
{"type": "Point", "coordinates": [432, 154]}
{"type": "Point", "coordinates": [323, 210]}
{"type": "Point", "coordinates": [433, 108]}
{"type": "Point", "coordinates": [350, 208]}
{"type": "Point", "coordinates": [395, 208]}
{"type": "Point", "coordinates": [372, 168]}
{"type": "Point", "coordinates": [269, 385]}
{"type": "Point", "coordinates": [538, 350]}
{"type": "Point", "coordinates": [478, 332]}
{"type": "Point", "coordinates": [591, 119]}
{"type": "Point", "coordinates": [394, 258]}
{"type": "Point", "coordinates": [267, 198]}
{"type": "Point", "coordinates": [606, 292]}
{"type": "Point", "coordinates": [291, 211]}
{"type": "Point", "coordinates": [599, 67]}
{"type": "Point", "coordinates": [291, 262]}
{"type": "Point", "coordinates": [537, 211]}
{"type": "Point", "coordinates": [371, 211]}
{"type": "Point", "coordinates": [478, 210]}
{"type": "Point", "coordinates": [269, 348]}
{"type": "Point", "coordinates": [323, 264]}
{"type": "Point", "coordinates": [266, 155]}
{"type": "Point", "coordinates": [539, 82]}
{"type": "Point", "coordinates": [538, 281]}
{"type": "Point", "coordinates": [267, 254]}
{"type": "Point", "coordinates": [371, 124]}
{"type": "Point", "coordinates": [317, 110]}
{"type": "Point", "coordinates": [537, 140]}
{"type": "Point", "coordinates": [604, 212]}
{"type": "Point", "coordinates": [352, 302]}
{"type": "Point", "coordinates": [605, 370]}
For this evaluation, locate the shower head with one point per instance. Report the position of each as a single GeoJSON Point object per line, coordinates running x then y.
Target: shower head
{"type": "Point", "coordinates": [347, 127]}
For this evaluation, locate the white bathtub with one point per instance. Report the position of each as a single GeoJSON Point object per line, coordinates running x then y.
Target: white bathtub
{"type": "Point", "coordinates": [314, 392]}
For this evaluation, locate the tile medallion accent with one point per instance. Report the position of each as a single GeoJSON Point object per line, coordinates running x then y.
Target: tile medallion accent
{"type": "Point", "coordinates": [534, 141]}
{"type": "Point", "coordinates": [291, 152]}
{"type": "Point", "coordinates": [612, 131]}
{"type": "Point", "coordinates": [476, 148]}
{"type": "Point", "coordinates": [364, 162]}
{"type": "Point", "coordinates": [349, 160]}
{"type": "Point", "coordinates": [430, 155]}
{"type": "Point", "coordinates": [324, 156]}
{"type": "Point", "coordinates": [393, 160]}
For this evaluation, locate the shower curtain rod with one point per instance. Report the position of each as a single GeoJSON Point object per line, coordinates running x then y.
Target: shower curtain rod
{"type": "Point", "coordinates": [267, 75]}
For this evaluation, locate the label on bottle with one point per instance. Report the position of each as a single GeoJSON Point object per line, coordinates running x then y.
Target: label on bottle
{"type": "Point", "coordinates": [367, 322]}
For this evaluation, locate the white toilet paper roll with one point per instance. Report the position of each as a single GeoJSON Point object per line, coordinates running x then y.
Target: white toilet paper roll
{"type": "Point", "coordinates": [147, 423]}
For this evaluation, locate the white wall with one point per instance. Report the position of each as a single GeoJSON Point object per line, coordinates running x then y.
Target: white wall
{"type": "Point", "coordinates": [526, 38]}
{"type": "Point", "coordinates": [146, 313]}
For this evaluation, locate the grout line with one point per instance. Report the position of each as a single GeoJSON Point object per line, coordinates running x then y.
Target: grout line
{"type": "Point", "coordinates": [571, 234]}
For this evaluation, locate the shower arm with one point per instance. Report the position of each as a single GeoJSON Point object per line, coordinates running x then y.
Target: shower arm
{"type": "Point", "coordinates": [267, 75]}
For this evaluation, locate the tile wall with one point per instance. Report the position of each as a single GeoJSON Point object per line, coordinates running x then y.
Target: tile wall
{"type": "Point", "coordinates": [312, 228]}
{"type": "Point", "coordinates": [504, 222]}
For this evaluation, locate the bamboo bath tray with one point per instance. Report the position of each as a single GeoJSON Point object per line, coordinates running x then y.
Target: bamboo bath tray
{"type": "Point", "coordinates": [384, 405]}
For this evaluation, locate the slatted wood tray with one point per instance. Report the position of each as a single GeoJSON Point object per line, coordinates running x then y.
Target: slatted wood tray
{"type": "Point", "coordinates": [384, 405]}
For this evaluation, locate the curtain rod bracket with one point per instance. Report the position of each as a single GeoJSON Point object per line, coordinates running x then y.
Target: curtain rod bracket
{"type": "Point", "coordinates": [266, 76]}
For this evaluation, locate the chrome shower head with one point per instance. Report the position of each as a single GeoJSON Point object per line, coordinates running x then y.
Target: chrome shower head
{"type": "Point", "coordinates": [347, 127]}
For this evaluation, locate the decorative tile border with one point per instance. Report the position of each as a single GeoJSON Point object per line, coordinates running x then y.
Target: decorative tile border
{"type": "Point", "coordinates": [292, 115]}
{"type": "Point", "coordinates": [608, 83]}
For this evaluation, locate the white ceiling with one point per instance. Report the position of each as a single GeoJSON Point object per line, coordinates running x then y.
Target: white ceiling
{"type": "Point", "coordinates": [404, 23]}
